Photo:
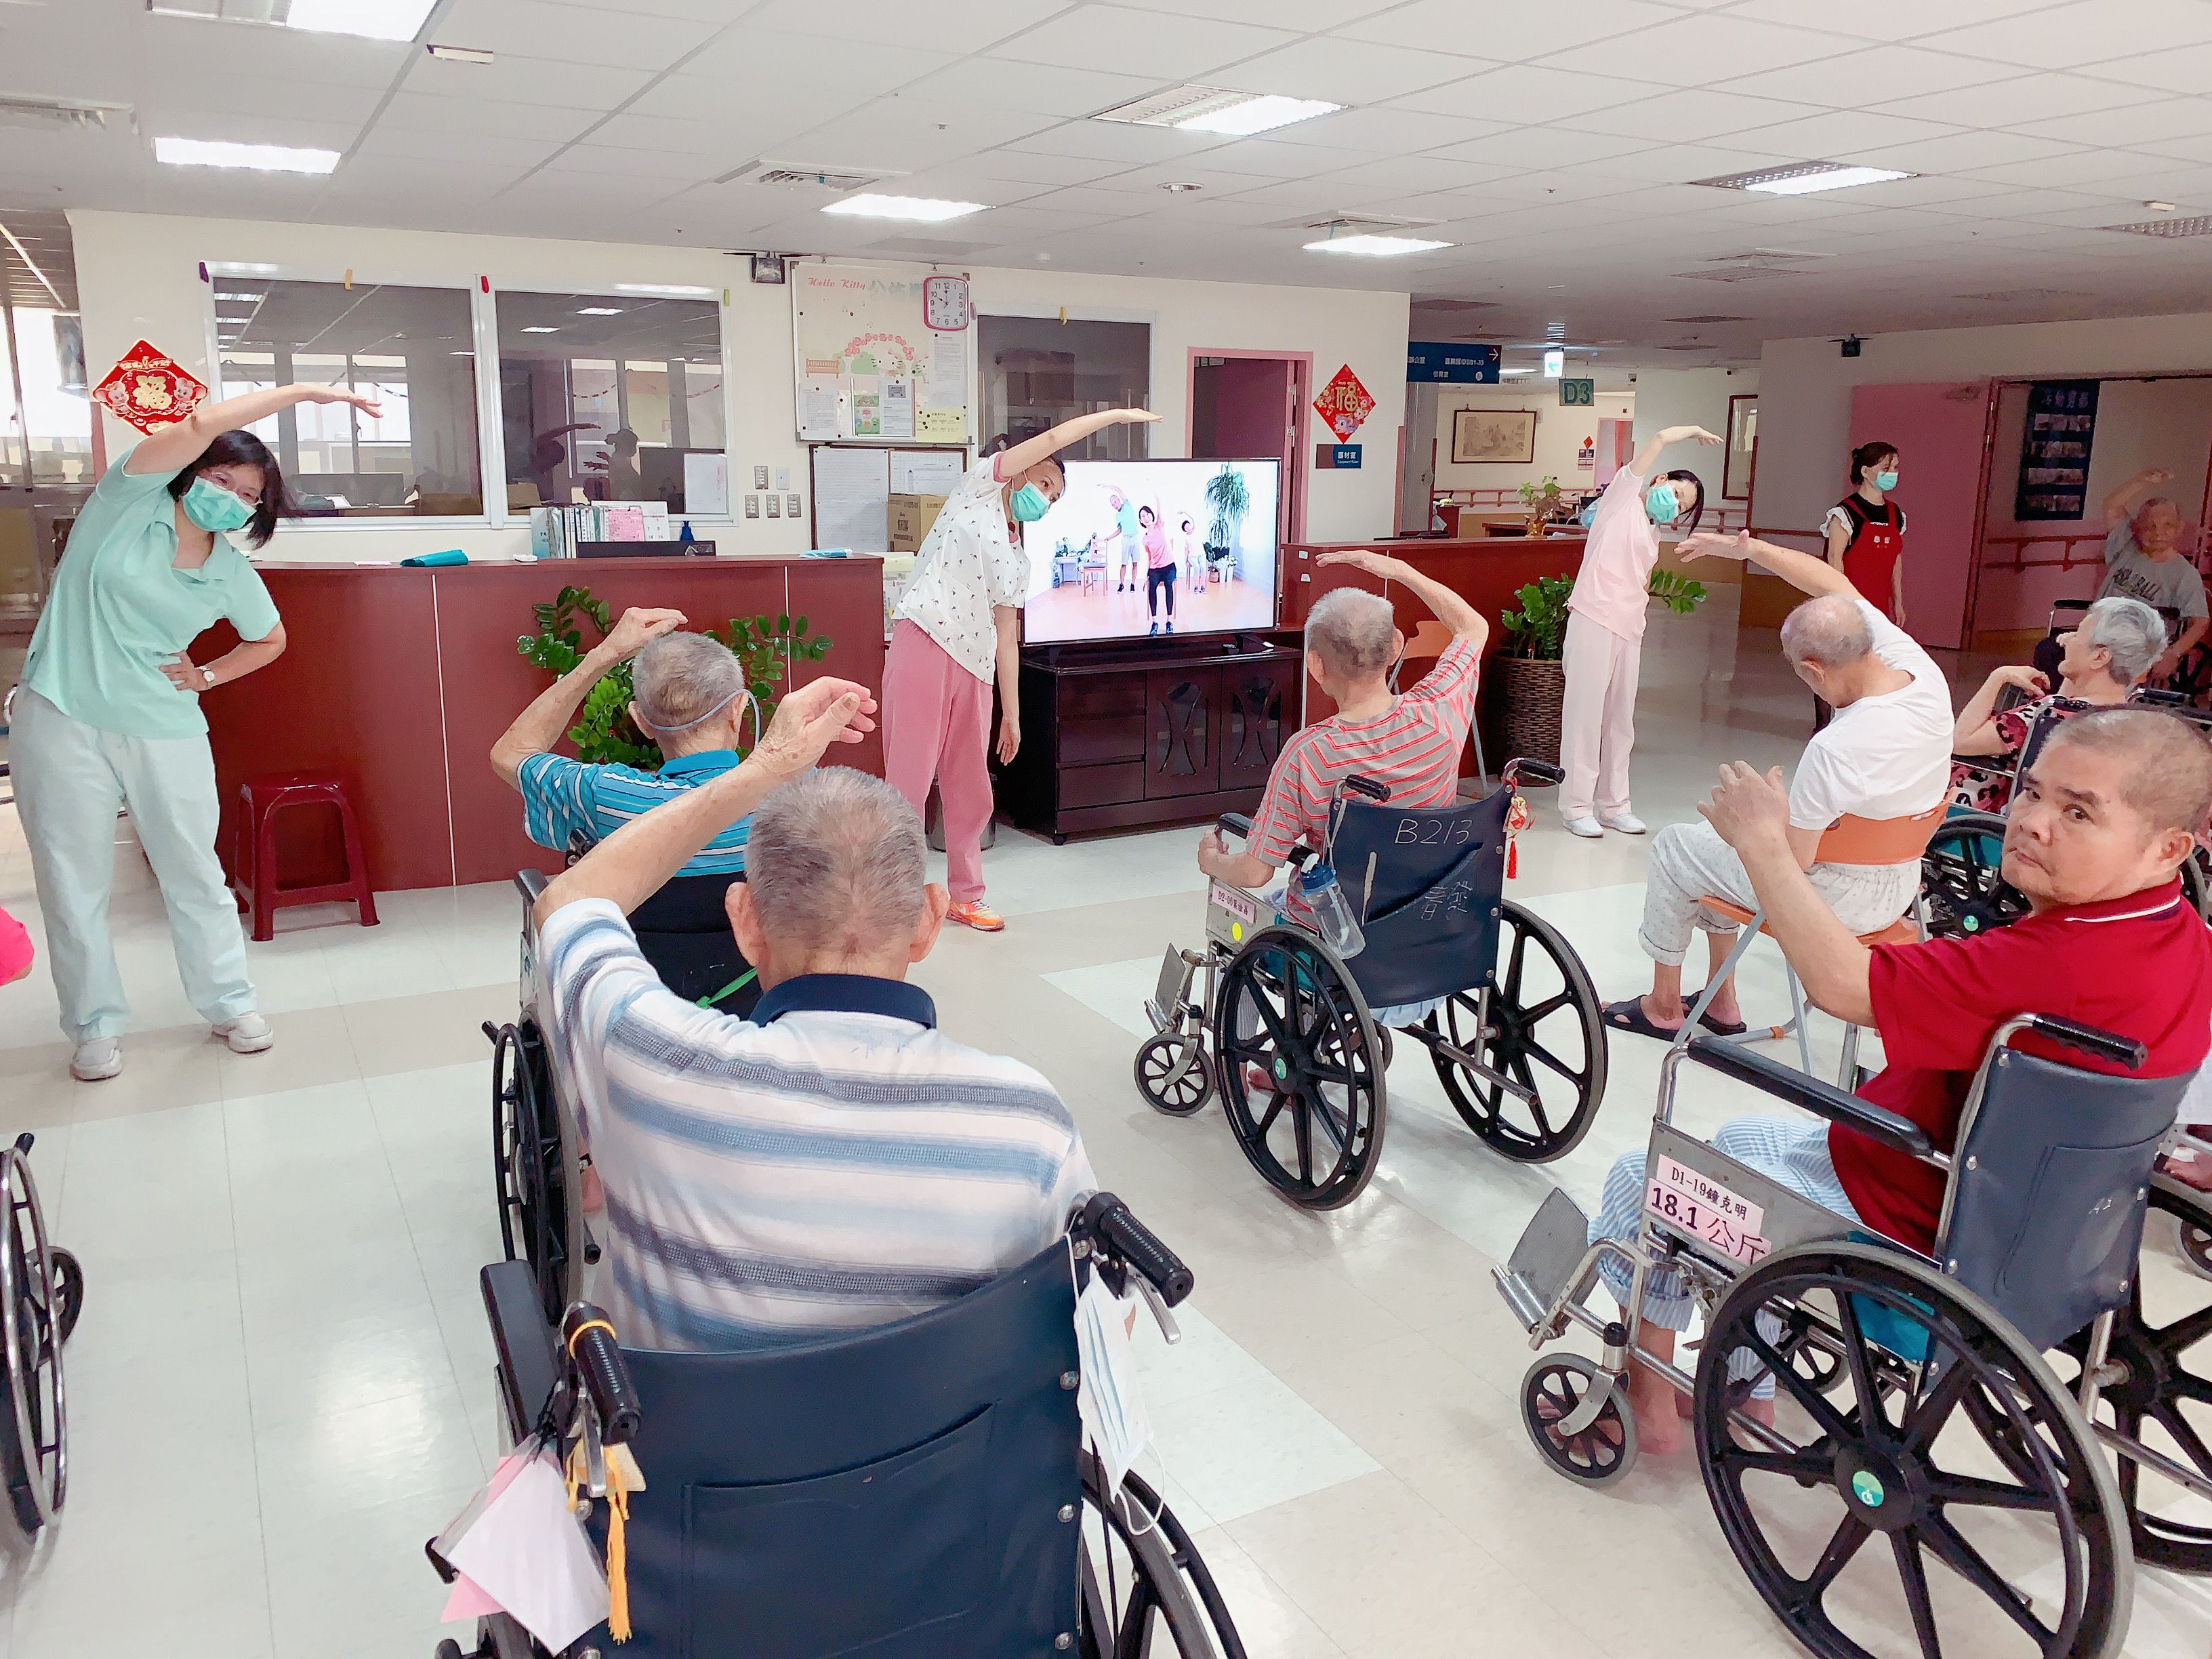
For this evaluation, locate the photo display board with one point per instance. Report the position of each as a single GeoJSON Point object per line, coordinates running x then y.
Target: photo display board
{"type": "Point", "coordinates": [874, 359]}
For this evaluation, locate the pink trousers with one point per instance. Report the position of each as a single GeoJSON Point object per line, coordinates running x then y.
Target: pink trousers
{"type": "Point", "coordinates": [937, 726]}
{"type": "Point", "coordinates": [1598, 724]}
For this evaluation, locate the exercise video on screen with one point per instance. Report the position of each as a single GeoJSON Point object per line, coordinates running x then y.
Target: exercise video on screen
{"type": "Point", "coordinates": [1135, 549]}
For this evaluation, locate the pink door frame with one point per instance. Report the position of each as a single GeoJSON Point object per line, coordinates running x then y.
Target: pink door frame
{"type": "Point", "coordinates": [1294, 481]}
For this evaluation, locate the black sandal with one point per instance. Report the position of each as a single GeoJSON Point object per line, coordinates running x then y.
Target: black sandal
{"type": "Point", "coordinates": [1719, 1027]}
{"type": "Point", "coordinates": [1629, 1016]}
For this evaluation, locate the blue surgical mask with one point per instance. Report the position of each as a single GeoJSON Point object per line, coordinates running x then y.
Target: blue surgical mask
{"type": "Point", "coordinates": [1662, 505]}
{"type": "Point", "coordinates": [1029, 504]}
{"type": "Point", "coordinates": [211, 507]}
{"type": "Point", "coordinates": [1884, 482]}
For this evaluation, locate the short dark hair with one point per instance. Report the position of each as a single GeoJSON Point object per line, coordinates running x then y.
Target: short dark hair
{"type": "Point", "coordinates": [2166, 763]}
{"type": "Point", "coordinates": [241, 448]}
{"type": "Point", "coordinates": [1143, 511]}
{"type": "Point", "coordinates": [1683, 475]}
{"type": "Point", "coordinates": [1865, 456]}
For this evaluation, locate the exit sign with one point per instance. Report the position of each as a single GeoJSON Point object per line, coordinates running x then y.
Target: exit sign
{"type": "Point", "coordinates": [1578, 392]}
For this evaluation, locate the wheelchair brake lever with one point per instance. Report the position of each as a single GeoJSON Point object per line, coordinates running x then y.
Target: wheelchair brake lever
{"type": "Point", "coordinates": [595, 1452]}
{"type": "Point", "coordinates": [1171, 1332]}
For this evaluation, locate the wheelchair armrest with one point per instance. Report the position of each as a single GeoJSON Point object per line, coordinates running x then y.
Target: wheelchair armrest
{"type": "Point", "coordinates": [1787, 1083]}
{"type": "Point", "coordinates": [529, 1358]}
{"type": "Point", "coordinates": [531, 884]}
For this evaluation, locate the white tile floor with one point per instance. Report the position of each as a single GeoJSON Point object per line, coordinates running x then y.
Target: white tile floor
{"type": "Point", "coordinates": [281, 1385]}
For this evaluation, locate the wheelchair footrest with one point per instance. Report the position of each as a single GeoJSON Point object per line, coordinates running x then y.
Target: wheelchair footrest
{"type": "Point", "coordinates": [1550, 1249]}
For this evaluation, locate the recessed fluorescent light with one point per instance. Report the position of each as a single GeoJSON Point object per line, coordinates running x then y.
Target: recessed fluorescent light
{"type": "Point", "coordinates": [222, 269]}
{"type": "Point", "coordinates": [1555, 364]}
{"type": "Point", "coordinates": [665, 290]}
{"type": "Point", "coordinates": [923, 209]}
{"type": "Point", "coordinates": [262, 158]}
{"type": "Point", "coordinates": [243, 297]}
{"type": "Point", "coordinates": [541, 330]}
{"type": "Point", "coordinates": [1260, 114]}
{"type": "Point", "coordinates": [1379, 247]}
{"type": "Point", "coordinates": [1803, 178]}
{"type": "Point", "coordinates": [461, 54]}
{"type": "Point", "coordinates": [375, 20]}
{"type": "Point", "coordinates": [600, 311]}
{"type": "Point", "coordinates": [1181, 187]}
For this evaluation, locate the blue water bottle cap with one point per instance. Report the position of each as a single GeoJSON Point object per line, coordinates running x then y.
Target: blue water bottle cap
{"type": "Point", "coordinates": [1317, 877]}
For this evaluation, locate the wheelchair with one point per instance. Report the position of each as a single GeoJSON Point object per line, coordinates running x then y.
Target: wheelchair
{"type": "Point", "coordinates": [42, 1294]}
{"type": "Point", "coordinates": [1924, 1420]}
{"type": "Point", "coordinates": [1519, 1042]}
{"type": "Point", "coordinates": [919, 1489]}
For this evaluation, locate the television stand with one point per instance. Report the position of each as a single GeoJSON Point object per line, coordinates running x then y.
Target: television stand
{"type": "Point", "coordinates": [1122, 734]}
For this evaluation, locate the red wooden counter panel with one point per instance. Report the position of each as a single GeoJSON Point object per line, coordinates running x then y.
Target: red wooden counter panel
{"type": "Point", "coordinates": [399, 680]}
{"type": "Point", "coordinates": [1487, 572]}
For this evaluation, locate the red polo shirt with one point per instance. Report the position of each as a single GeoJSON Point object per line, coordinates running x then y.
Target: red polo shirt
{"type": "Point", "coordinates": [2140, 966]}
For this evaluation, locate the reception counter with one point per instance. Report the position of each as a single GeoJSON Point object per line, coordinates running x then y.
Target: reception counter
{"type": "Point", "coordinates": [400, 679]}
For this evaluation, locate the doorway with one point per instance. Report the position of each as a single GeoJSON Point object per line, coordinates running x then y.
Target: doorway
{"type": "Point", "coordinates": [1248, 405]}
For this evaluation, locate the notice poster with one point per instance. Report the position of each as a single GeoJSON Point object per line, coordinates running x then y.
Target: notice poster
{"type": "Point", "coordinates": [707, 483]}
{"type": "Point", "coordinates": [948, 372]}
{"type": "Point", "coordinates": [818, 408]}
{"type": "Point", "coordinates": [942, 426]}
{"type": "Point", "coordinates": [898, 409]}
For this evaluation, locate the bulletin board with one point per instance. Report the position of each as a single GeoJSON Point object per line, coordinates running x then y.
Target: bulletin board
{"type": "Point", "coordinates": [853, 487]}
{"type": "Point", "coordinates": [870, 367]}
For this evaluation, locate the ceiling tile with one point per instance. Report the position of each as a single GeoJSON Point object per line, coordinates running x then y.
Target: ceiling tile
{"type": "Point", "coordinates": [1959, 152]}
{"type": "Point", "coordinates": [2083, 32]}
{"type": "Point", "coordinates": [492, 149]}
{"type": "Point", "coordinates": [1117, 38]}
{"type": "Point", "coordinates": [1347, 71]}
{"type": "Point", "coordinates": [1304, 15]}
{"type": "Point", "coordinates": [1041, 88]}
{"type": "Point", "coordinates": [1547, 148]}
{"type": "Point", "coordinates": [917, 134]}
{"type": "Point", "coordinates": [1524, 93]}
{"type": "Point", "coordinates": [1701, 48]}
{"type": "Point", "coordinates": [1382, 131]}
{"type": "Point", "coordinates": [2005, 102]}
{"type": "Point", "coordinates": [1508, 32]}
{"type": "Point", "coordinates": [627, 130]}
{"type": "Point", "coordinates": [1016, 167]}
{"type": "Point", "coordinates": [1844, 77]}
{"type": "Point", "coordinates": [2150, 118]}
{"type": "Point", "coordinates": [2182, 150]}
{"type": "Point", "coordinates": [2179, 68]}
{"type": "Point", "coordinates": [604, 36]}
{"type": "Point", "coordinates": [884, 24]}
{"type": "Point", "coordinates": [1408, 175]}
{"type": "Point", "coordinates": [1267, 158]}
{"type": "Point", "coordinates": [746, 62]}
{"type": "Point", "coordinates": [615, 165]}
{"type": "Point", "coordinates": [1837, 134]}
{"type": "Point", "coordinates": [1689, 116]}
{"type": "Point", "coordinates": [2118, 170]}
{"type": "Point", "coordinates": [1113, 140]}
{"type": "Point", "coordinates": [416, 111]}
{"type": "Point", "coordinates": [1676, 163]}
{"type": "Point", "coordinates": [218, 54]}
{"type": "Point", "coordinates": [518, 80]}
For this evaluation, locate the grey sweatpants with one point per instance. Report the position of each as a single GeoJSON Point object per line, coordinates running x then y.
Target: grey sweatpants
{"type": "Point", "coordinates": [1690, 861]}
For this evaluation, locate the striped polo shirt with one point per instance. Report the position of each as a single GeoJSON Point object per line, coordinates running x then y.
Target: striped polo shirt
{"type": "Point", "coordinates": [1413, 747]}
{"type": "Point", "coordinates": [563, 798]}
{"type": "Point", "coordinates": [833, 1163]}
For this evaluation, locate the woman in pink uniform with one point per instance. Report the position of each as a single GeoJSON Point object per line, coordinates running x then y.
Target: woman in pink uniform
{"type": "Point", "coordinates": [1605, 633]}
{"type": "Point", "coordinates": [954, 634]}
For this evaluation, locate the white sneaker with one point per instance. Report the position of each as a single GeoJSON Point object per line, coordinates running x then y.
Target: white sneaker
{"type": "Point", "coordinates": [249, 1034]}
{"type": "Point", "coordinates": [97, 1057]}
{"type": "Point", "coordinates": [1627, 822]}
{"type": "Point", "coordinates": [1582, 826]}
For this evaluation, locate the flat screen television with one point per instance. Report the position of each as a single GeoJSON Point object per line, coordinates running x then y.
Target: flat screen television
{"type": "Point", "coordinates": [1133, 549]}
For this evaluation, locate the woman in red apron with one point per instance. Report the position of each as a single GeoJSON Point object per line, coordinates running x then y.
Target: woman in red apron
{"type": "Point", "coordinates": [1866, 531]}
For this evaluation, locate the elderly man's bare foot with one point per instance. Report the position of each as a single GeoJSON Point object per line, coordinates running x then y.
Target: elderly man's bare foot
{"type": "Point", "coordinates": [1651, 1397]}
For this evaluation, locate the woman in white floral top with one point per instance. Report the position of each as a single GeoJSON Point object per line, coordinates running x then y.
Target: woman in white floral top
{"type": "Point", "coordinates": [2102, 661]}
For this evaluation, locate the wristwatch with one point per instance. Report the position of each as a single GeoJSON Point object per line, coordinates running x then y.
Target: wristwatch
{"type": "Point", "coordinates": [206, 677]}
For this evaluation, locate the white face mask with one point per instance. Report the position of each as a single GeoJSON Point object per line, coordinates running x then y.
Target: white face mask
{"type": "Point", "coordinates": [1113, 1411]}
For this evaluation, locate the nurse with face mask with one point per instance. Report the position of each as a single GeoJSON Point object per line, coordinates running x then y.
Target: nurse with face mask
{"type": "Point", "coordinates": [107, 715]}
{"type": "Point", "coordinates": [1865, 531]}
{"type": "Point", "coordinates": [955, 633]}
{"type": "Point", "coordinates": [1605, 632]}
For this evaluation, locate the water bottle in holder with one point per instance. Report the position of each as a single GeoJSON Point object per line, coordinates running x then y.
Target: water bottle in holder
{"type": "Point", "coordinates": [1323, 897]}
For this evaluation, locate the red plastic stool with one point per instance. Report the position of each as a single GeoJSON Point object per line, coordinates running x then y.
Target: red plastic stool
{"type": "Point", "coordinates": [260, 801]}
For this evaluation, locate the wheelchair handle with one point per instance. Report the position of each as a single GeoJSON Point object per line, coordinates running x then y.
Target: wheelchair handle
{"type": "Point", "coordinates": [1107, 1220]}
{"type": "Point", "coordinates": [1368, 788]}
{"type": "Point", "coordinates": [2105, 1045]}
{"type": "Point", "coordinates": [1543, 774]}
{"type": "Point", "coordinates": [589, 1337]}
{"type": "Point", "coordinates": [1240, 824]}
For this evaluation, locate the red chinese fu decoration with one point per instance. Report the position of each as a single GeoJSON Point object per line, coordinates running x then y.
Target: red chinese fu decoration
{"type": "Point", "coordinates": [148, 389]}
{"type": "Point", "coordinates": [1344, 404]}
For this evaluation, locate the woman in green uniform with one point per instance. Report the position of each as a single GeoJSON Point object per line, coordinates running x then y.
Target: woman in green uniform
{"type": "Point", "coordinates": [108, 714]}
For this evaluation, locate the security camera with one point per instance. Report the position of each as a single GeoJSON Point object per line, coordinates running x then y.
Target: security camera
{"type": "Point", "coordinates": [1851, 344]}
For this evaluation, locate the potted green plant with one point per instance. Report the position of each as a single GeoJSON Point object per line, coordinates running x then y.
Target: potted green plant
{"type": "Point", "coordinates": [1532, 680]}
{"type": "Point", "coordinates": [1541, 501]}
{"type": "Point", "coordinates": [1230, 499]}
{"type": "Point", "coordinates": [603, 731]}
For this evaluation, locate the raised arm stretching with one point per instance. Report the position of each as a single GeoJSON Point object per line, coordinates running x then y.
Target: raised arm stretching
{"type": "Point", "coordinates": [1802, 571]}
{"type": "Point", "coordinates": [1648, 457]}
{"type": "Point", "coordinates": [175, 447]}
{"type": "Point", "coordinates": [539, 727]}
{"type": "Point", "coordinates": [1021, 457]}
{"type": "Point", "coordinates": [1449, 608]}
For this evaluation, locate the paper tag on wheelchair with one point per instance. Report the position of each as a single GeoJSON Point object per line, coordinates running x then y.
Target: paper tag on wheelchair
{"type": "Point", "coordinates": [1232, 916]}
{"type": "Point", "coordinates": [1107, 1396]}
{"type": "Point", "coordinates": [1698, 1205]}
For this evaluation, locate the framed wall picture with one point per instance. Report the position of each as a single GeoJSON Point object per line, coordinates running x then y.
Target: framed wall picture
{"type": "Point", "coordinates": [1743, 447]}
{"type": "Point", "coordinates": [1481, 436]}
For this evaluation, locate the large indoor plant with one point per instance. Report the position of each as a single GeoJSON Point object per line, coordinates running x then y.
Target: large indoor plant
{"type": "Point", "coordinates": [603, 731]}
{"type": "Point", "coordinates": [1227, 494]}
{"type": "Point", "coordinates": [1533, 681]}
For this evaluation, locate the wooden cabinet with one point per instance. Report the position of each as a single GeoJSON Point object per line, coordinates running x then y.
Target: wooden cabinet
{"type": "Point", "coordinates": [1119, 735]}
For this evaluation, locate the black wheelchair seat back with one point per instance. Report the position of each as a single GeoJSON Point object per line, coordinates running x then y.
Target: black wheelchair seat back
{"type": "Point", "coordinates": [2045, 1218]}
{"type": "Point", "coordinates": [798, 1503]}
{"type": "Point", "coordinates": [1425, 886]}
{"type": "Point", "coordinates": [684, 931]}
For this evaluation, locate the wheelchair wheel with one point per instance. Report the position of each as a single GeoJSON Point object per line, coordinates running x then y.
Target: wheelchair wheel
{"type": "Point", "coordinates": [1959, 877]}
{"type": "Point", "coordinates": [1600, 1454]}
{"type": "Point", "coordinates": [1145, 1589]}
{"type": "Point", "coordinates": [1288, 1013]}
{"type": "Point", "coordinates": [1164, 1091]}
{"type": "Point", "coordinates": [2163, 1342]}
{"type": "Point", "coordinates": [1901, 1459]}
{"type": "Point", "coordinates": [1545, 1031]}
{"type": "Point", "coordinates": [40, 1292]}
{"type": "Point", "coordinates": [529, 1185]}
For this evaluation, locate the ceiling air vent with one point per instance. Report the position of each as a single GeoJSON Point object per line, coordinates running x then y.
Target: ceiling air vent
{"type": "Point", "coordinates": [1705, 319]}
{"type": "Point", "coordinates": [1349, 224]}
{"type": "Point", "coordinates": [23, 109]}
{"type": "Point", "coordinates": [2027, 295]}
{"type": "Point", "coordinates": [2199, 226]}
{"type": "Point", "coordinates": [1456, 304]}
{"type": "Point", "coordinates": [826, 178]}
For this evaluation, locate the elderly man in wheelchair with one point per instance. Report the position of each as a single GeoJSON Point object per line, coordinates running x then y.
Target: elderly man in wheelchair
{"type": "Point", "coordinates": [1395, 918]}
{"type": "Point", "coordinates": [843, 1346]}
{"type": "Point", "coordinates": [1900, 1267]}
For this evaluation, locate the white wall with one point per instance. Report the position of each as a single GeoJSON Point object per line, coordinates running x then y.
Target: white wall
{"type": "Point", "coordinates": [138, 277]}
{"type": "Point", "coordinates": [1559, 433]}
{"type": "Point", "coordinates": [1805, 400]}
{"type": "Point", "coordinates": [1692, 397]}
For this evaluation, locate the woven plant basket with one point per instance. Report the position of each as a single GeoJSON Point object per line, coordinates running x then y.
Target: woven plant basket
{"type": "Point", "coordinates": [1534, 691]}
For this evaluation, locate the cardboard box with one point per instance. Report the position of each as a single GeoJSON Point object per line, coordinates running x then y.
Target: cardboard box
{"type": "Point", "coordinates": [911, 517]}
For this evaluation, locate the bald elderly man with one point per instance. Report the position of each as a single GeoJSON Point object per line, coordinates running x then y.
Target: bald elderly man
{"type": "Point", "coordinates": [1886, 754]}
